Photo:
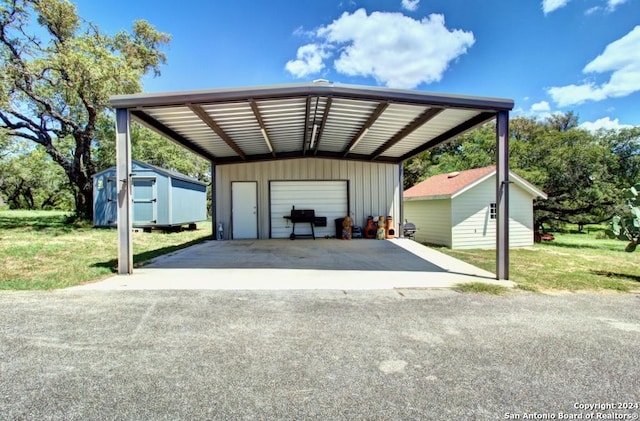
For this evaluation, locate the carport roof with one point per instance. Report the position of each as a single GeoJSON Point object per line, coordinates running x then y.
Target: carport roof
{"type": "Point", "coordinates": [320, 119]}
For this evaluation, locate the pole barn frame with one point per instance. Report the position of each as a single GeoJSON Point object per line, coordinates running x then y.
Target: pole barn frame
{"type": "Point", "coordinates": [123, 182]}
{"type": "Point", "coordinates": [471, 112]}
{"type": "Point", "coordinates": [502, 196]}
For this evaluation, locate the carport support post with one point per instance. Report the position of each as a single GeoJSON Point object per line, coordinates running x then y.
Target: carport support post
{"type": "Point", "coordinates": [502, 196]}
{"type": "Point", "coordinates": [214, 233]}
{"type": "Point", "coordinates": [123, 176]}
{"type": "Point", "coordinates": [401, 216]}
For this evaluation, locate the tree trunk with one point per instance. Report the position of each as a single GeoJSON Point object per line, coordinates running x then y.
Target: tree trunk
{"type": "Point", "coordinates": [84, 201]}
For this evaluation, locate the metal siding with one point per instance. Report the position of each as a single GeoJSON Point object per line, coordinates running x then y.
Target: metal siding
{"type": "Point", "coordinates": [394, 118]}
{"type": "Point", "coordinates": [186, 123]}
{"type": "Point", "coordinates": [345, 119]}
{"type": "Point", "coordinates": [327, 198]}
{"type": "Point", "coordinates": [238, 122]}
{"type": "Point", "coordinates": [361, 176]}
{"type": "Point", "coordinates": [446, 120]}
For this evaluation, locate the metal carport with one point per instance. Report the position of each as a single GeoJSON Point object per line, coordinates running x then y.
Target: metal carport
{"type": "Point", "coordinates": [321, 120]}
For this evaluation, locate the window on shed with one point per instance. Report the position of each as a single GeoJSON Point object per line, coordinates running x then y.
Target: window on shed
{"type": "Point", "coordinates": [492, 210]}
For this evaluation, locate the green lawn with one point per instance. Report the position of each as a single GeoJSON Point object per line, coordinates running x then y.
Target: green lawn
{"type": "Point", "coordinates": [46, 250]}
{"type": "Point", "coordinates": [573, 262]}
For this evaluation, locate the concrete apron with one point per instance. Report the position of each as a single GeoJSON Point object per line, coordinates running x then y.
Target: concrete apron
{"type": "Point", "coordinates": [307, 264]}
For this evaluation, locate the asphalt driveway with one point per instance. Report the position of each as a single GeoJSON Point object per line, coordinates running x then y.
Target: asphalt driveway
{"type": "Point", "coordinates": [394, 354]}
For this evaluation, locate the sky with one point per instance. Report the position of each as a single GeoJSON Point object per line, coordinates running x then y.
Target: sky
{"type": "Point", "coordinates": [549, 56]}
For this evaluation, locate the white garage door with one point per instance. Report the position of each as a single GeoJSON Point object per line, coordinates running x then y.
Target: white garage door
{"type": "Point", "coordinates": [327, 198]}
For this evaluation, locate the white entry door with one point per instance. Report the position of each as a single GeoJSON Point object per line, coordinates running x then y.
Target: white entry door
{"type": "Point", "coordinates": [244, 210]}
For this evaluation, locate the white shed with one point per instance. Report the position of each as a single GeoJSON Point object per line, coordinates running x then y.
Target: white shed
{"type": "Point", "coordinates": [458, 210]}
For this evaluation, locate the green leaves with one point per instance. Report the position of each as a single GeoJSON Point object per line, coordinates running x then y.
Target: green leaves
{"type": "Point", "coordinates": [627, 227]}
{"type": "Point", "coordinates": [57, 73]}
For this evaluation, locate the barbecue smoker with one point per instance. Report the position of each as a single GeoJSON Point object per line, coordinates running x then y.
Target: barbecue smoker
{"type": "Point", "coordinates": [301, 216]}
{"type": "Point", "coordinates": [409, 230]}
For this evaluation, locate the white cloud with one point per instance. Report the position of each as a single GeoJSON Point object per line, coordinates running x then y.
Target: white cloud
{"type": "Point", "coordinates": [540, 111]}
{"type": "Point", "coordinates": [612, 4]}
{"type": "Point", "coordinates": [309, 60]}
{"type": "Point", "coordinates": [412, 5]}
{"type": "Point", "coordinates": [396, 50]}
{"type": "Point", "coordinates": [542, 106]}
{"type": "Point", "coordinates": [549, 6]}
{"type": "Point", "coordinates": [622, 59]}
{"type": "Point", "coordinates": [604, 123]}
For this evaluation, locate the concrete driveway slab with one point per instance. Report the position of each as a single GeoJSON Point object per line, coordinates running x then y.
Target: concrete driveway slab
{"type": "Point", "coordinates": [300, 265]}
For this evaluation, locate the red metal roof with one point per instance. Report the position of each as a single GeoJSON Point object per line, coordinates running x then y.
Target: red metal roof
{"type": "Point", "coordinates": [447, 184]}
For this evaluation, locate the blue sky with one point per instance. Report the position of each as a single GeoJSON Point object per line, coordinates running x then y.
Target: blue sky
{"type": "Point", "coordinates": [547, 55]}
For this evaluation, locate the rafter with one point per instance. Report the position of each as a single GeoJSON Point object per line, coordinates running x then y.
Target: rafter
{"type": "Point", "coordinates": [206, 118]}
{"type": "Point", "coordinates": [323, 124]}
{"type": "Point", "coordinates": [407, 130]}
{"type": "Point", "coordinates": [363, 130]}
{"type": "Point", "coordinates": [307, 115]}
{"type": "Point", "coordinates": [450, 134]}
{"type": "Point", "coordinates": [263, 128]}
{"type": "Point", "coordinates": [160, 128]}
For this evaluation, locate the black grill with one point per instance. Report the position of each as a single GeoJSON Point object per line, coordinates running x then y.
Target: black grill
{"type": "Point", "coordinates": [302, 216]}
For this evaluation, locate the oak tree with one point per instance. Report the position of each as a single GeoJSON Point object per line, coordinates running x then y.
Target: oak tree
{"type": "Point", "coordinates": [57, 72]}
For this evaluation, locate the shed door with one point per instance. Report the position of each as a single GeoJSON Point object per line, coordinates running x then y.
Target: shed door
{"type": "Point", "coordinates": [145, 201]}
{"type": "Point", "coordinates": [328, 199]}
{"type": "Point", "coordinates": [244, 210]}
{"type": "Point", "coordinates": [111, 207]}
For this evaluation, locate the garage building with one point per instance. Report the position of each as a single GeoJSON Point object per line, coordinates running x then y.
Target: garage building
{"type": "Point", "coordinates": [337, 149]}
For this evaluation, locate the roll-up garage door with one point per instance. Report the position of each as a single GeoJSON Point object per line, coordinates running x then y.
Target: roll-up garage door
{"type": "Point", "coordinates": [328, 199]}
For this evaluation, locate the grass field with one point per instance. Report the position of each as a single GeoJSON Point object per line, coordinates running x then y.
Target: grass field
{"type": "Point", "coordinates": [573, 262]}
{"type": "Point", "coordinates": [46, 250]}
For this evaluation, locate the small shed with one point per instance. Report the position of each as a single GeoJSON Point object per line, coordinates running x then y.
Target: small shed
{"type": "Point", "coordinates": [160, 198]}
{"type": "Point", "coordinates": [458, 210]}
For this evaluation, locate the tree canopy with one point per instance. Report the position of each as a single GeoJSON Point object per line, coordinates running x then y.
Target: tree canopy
{"type": "Point", "coordinates": [581, 172]}
{"type": "Point", "coordinates": [57, 72]}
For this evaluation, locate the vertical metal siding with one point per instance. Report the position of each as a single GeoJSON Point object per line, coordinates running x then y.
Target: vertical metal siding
{"type": "Point", "coordinates": [373, 187]}
{"type": "Point", "coordinates": [327, 198]}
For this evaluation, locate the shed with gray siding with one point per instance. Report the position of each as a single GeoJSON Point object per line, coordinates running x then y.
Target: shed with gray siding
{"type": "Point", "coordinates": [457, 210]}
{"type": "Point", "coordinates": [160, 198]}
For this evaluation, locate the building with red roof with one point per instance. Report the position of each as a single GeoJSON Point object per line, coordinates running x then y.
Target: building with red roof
{"type": "Point", "coordinates": [458, 210]}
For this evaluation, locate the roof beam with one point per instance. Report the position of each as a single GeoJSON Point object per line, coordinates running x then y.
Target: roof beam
{"type": "Point", "coordinates": [407, 130]}
{"type": "Point", "coordinates": [365, 128]}
{"type": "Point", "coordinates": [448, 135]}
{"type": "Point", "coordinates": [307, 111]}
{"type": "Point", "coordinates": [165, 131]}
{"type": "Point", "coordinates": [298, 154]}
{"type": "Point", "coordinates": [325, 116]}
{"type": "Point", "coordinates": [206, 118]}
{"type": "Point", "coordinates": [263, 128]}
